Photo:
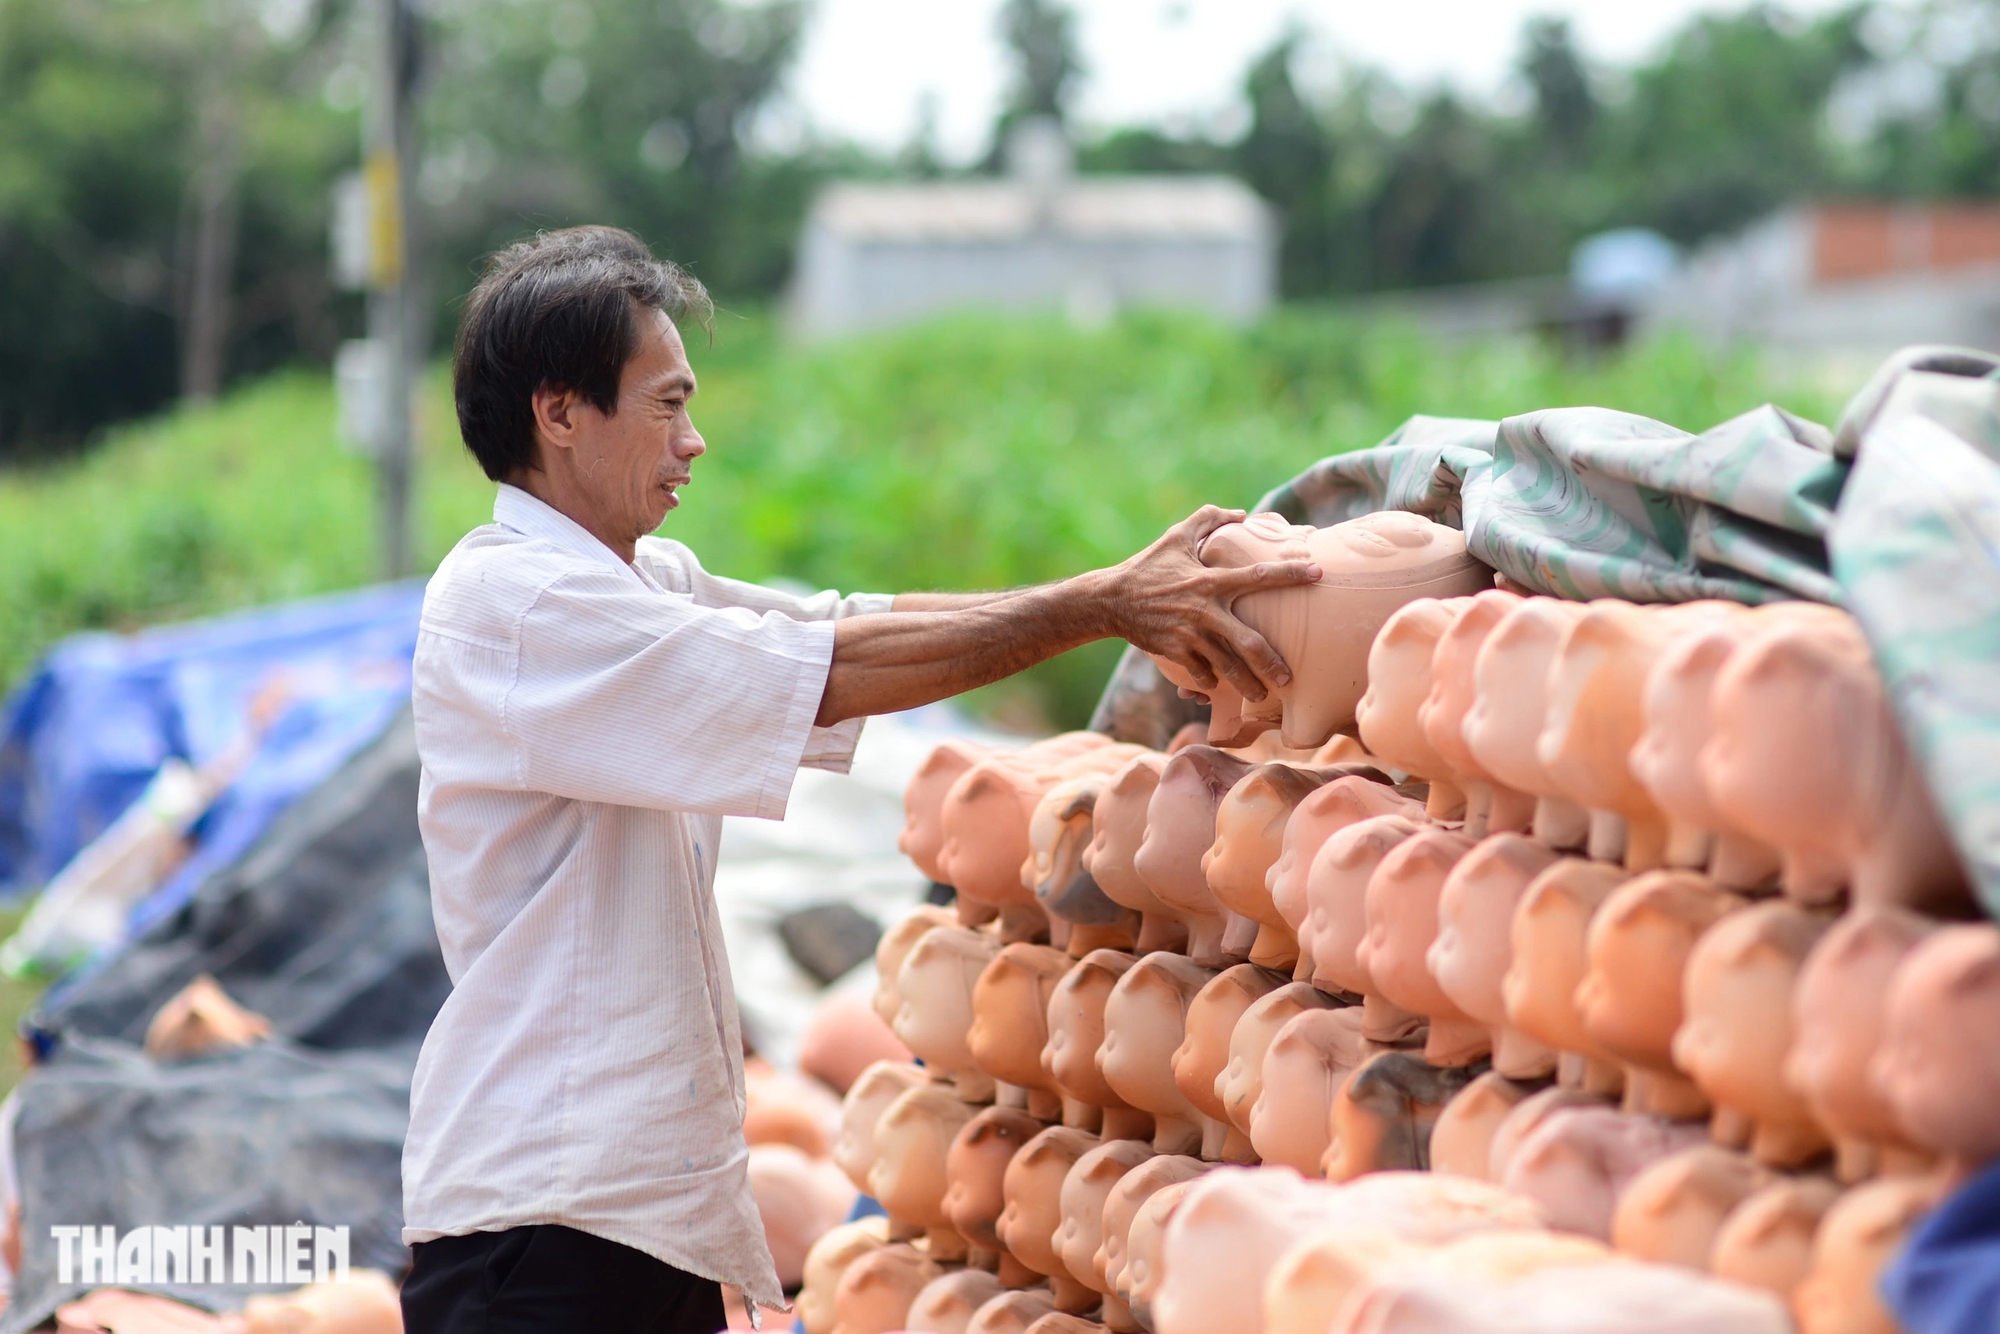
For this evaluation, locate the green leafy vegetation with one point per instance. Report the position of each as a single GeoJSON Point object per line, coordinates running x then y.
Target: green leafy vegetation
{"type": "Point", "coordinates": [17, 997]}
{"type": "Point", "coordinates": [967, 453]}
{"type": "Point", "coordinates": [137, 139]}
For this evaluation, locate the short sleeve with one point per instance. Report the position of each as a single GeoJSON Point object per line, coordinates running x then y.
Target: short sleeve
{"type": "Point", "coordinates": [675, 566]}
{"type": "Point", "coordinates": [637, 698]}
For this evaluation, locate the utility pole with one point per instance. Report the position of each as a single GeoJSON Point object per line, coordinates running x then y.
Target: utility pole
{"type": "Point", "coordinates": [386, 149]}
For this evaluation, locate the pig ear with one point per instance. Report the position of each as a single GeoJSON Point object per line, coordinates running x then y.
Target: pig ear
{"type": "Point", "coordinates": [1084, 802]}
{"type": "Point", "coordinates": [1206, 761]}
{"type": "Point", "coordinates": [976, 784]}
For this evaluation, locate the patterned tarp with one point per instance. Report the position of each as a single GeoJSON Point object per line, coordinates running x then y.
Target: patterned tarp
{"type": "Point", "coordinates": [1894, 515]}
{"type": "Point", "coordinates": [1589, 503]}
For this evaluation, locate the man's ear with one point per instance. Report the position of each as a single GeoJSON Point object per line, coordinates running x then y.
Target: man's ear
{"type": "Point", "coordinates": [554, 411]}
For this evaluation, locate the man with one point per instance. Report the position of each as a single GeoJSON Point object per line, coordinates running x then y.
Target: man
{"type": "Point", "coordinates": [589, 704]}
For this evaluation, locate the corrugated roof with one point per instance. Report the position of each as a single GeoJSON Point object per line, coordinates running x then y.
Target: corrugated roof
{"type": "Point", "coordinates": [1091, 207]}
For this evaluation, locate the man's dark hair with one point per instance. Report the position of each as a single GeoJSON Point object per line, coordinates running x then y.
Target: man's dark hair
{"type": "Point", "coordinates": [561, 311]}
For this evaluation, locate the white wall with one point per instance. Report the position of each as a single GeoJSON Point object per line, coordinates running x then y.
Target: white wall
{"type": "Point", "coordinates": [843, 285]}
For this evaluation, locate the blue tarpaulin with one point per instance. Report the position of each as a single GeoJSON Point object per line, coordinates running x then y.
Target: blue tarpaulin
{"type": "Point", "coordinates": [1947, 1280]}
{"type": "Point", "coordinates": [82, 736]}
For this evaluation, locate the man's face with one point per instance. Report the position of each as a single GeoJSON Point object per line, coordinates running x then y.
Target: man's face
{"type": "Point", "coordinates": [633, 460]}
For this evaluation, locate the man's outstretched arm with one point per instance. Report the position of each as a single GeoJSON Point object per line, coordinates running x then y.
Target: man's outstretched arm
{"type": "Point", "coordinates": [958, 601]}
{"type": "Point", "coordinates": [1163, 599]}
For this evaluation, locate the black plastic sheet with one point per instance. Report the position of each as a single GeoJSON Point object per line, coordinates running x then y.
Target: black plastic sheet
{"type": "Point", "coordinates": [325, 928]}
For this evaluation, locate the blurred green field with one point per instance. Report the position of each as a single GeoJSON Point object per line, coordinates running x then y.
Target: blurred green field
{"type": "Point", "coordinates": [967, 453]}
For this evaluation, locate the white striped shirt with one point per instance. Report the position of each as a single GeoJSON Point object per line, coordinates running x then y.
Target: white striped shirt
{"type": "Point", "coordinates": [583, 726]}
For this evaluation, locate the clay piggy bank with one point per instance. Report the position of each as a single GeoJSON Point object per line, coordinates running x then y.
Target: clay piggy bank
{"type": "Point", "coordinates": [1240, 1087]}
{"type": "Point", "coordinates": [947, 1305]}
{"type": "Point", "coordinates": [1389, 716]}
{"type": "Point", "coordinates": [922, 838]}
{"type": "Point", "coordinates": [799, 1199]}
{"type": "Point", "coordinates": [845, 1037]}
{"type": "Point", "coordinates": [1630, 1298]}
{"type": "Point", "coordinates": [1012, 1312]}
{"type": "Point", "coordinates": [1475, 944]}
{"type": "Point", "coordinates": [1370, 566]}
{"type": "Point", "coordinates": [861, 1111]}
{"type": "Point", "coordinates": [976, 1170]}
{"type": "Point", "coordinates": [912, 1146]}
{"type": "Point", "coordinates": [1076, 1032]}
{"type": "Point", "coordinates": [1511, 706]}
{"type": "Point", "coordinates": [830, 1257]}
{"type": "Point", "coordinates": [1860, 817]}
{"type": "Point", "coordinates": [1323, 813]}
{"type": "Point", "coordinates": [1221, 1243]}
{"type": "Point", "coordinates": [1860, 1233]}
{"type": "Point", "coordinates": [1305, 1066]}
{"type": "Point", "coordinates": [1838, 1017]}
{"type": "Point", "coordinates": [1402, 913]}
{"type": "Point", "coordinates": [1249, 839]}
{"type": "Point", "coordinates": [1679, 698]}
{"type": "Point", "coordinates": [1738, 1030]}
{"type": "Point", "coordinates": [986, 817]}
{"type": "Point", "coordinates": [1032, 1217]}
{"type": "Point", "coordinates": [1490, 805]}
{"type": "Point", "coordinates": [1203, 1056]}
{"type": "Point", "coordinates": [893, 948]}
{"type": "Point", "coordinates": [1631, 999]}
{"type": "Point", "coordinates": [1085, 1192]}
{"type": "Point", "coordinates": [1674, 1210]}
{"type": "Point", "coordinates": [1337, 892]}
{"type": "Point", "coordinates": [1059, 832]}
{"type": "Point", "coordinates": [935, 985]}
{"type": "Point", "coordinates": [1936, 1070]}
{"type": "Point", "coordinates": [1180, 828]}
{"type": "Point", "coordinates": [1121, 1210]}
{"type": "Point", "coordinates": [1597, 689]}
{"type": "Point", "coordinates": [877, 1291]}
{"type": "Point", "coordinates": [1311, 1285]}
{"type": "Point", "coordinates": [1383, 1116]}
{"type": "Point", "coordinates": [1118, 827]}
{"type": "Point", "coordinates": [1010, 1021]}
{"type": "Point", "coordinates": [1579, 1160]}
{"type": "Point", "coordinates": [1551, 959]}
{"type": "Point", "coordinates": [1767, 1240]}
{"type": "Point", "coordinates": [1145, 1022]}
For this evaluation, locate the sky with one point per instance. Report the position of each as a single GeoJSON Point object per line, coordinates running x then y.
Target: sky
{"type": "Point", "coordinates": [869, 67]}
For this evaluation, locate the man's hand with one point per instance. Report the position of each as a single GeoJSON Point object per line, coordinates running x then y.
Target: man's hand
{"type": "Point", "coordinates": [1165, 601]}
{"type": "Point", "coordinates": [935, 645]}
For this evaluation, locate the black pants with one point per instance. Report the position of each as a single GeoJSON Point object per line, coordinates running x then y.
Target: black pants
{"type": "Point", "coordinates": [552, 1280]}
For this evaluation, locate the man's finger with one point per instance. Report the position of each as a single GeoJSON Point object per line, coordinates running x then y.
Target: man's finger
{"type": "Point", "coordinates": [1254, 651]}
{"type": "Point", "coordinates": [1207, 519]}
{"type": "Point", "coordinates": [1237, 672]}
{"type": "Point", "coordinates": [1191, 660]}
{"type": "Point", "coordinates": [1238, 579]}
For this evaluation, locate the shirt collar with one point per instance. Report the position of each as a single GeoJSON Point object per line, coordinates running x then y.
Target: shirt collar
{"type": "Point", "coordinates": [531, 516]}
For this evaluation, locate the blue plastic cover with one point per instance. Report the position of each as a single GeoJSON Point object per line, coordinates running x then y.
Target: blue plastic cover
{"type": "Point", "coordinates": [1947, 1280]}
{"type": "Point", "coordinates": [82, 736]}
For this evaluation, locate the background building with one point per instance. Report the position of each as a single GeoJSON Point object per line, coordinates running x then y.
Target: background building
{"type": "Point", "coordinates": [1845, 277]}
{"type": "Point", "coordinates": [1039, 237]}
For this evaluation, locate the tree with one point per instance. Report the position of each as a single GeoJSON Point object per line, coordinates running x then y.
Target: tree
{"type": "Point", "coordinates": [1041, 40]}
{"type": "Point", "coordinates": [1945, 143]}
{"type": "Point", "coordinates": [140, 145]}
{"type": "Point", "coordinates": [1287, 156]}
{"type": "Point", "coordinates": [1565, 107]}
{"type": "Point", "coordinates": [1041, 35]}
{"type": "Point", "coordinates": [1444, 211]}
{"type": "Point", "coordinates": [634, 113]}
{"type": "Point", "coordinates": [1730, 122]}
